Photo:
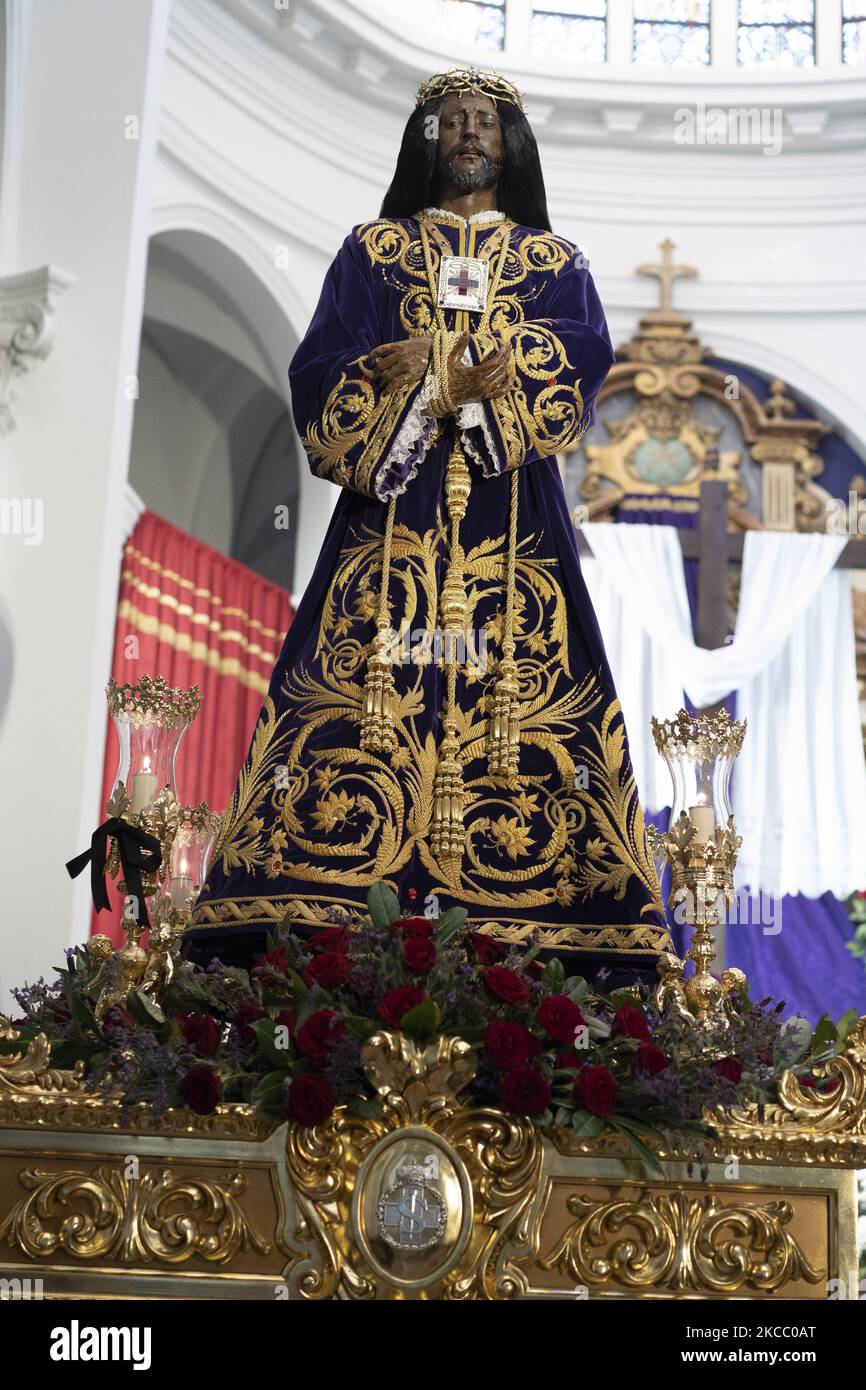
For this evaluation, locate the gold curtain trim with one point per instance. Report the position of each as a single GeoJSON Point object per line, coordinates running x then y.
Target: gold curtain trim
{"type": "Point", "coordinates": [151, 626]}
{"type": "Point", "coordinates": [202, 593]}
{"type": "Point", "coordinates": [184, 610]}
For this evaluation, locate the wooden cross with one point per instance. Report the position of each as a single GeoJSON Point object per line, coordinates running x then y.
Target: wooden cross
{"type": "Point", "coordinates": [666, 273]}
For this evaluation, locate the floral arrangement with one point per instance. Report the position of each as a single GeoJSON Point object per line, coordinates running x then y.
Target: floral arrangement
{"type": "Point", "coordinates": [286, 1036]}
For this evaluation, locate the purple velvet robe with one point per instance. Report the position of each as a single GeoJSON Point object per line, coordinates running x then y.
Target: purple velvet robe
{"type": "Point", "coordinates": [558, 856]}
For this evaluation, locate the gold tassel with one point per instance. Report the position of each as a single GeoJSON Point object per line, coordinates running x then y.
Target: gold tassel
{"type": "Point", "coordinates": [378, 734]}
{"type": "Point", "coordinates": [446, 837]}
{"type": "Point", "coordinates": [503, 747]}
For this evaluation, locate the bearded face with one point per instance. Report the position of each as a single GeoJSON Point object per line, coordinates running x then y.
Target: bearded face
{"type": "Point", "coordinates": [470, 154]}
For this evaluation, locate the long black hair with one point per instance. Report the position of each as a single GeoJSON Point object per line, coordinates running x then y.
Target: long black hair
{"type": "Point", "coordinates": [520, 193]}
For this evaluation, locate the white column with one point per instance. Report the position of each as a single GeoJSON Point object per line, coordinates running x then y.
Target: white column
{"type": "Point", "coordinates": [828, 33]}
{"type": "Point", "coordinates": [619, 33]}
{"type": "Point", "coordinates": [518, 16]}
{"type": "Point", "coordinates": [87, 123]}
{"type": "Point", "coordinates": [723, 33]}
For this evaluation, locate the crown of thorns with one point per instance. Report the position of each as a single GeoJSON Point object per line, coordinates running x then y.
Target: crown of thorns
{"type": "Point", "coordinates": [457, 80]}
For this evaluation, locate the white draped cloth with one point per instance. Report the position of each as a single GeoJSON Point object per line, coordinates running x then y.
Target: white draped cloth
{"type": "Point", "coordinates": [800, 781]}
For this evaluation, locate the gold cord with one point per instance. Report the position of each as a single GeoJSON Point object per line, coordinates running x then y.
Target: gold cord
{"type": "Point", "coordinates": [377, 722]}
{"type": "Point", "coordinates": [503, 749]}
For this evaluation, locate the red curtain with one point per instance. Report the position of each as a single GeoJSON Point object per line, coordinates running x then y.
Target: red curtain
{"type": "Point", "coordinates": [195, 617]}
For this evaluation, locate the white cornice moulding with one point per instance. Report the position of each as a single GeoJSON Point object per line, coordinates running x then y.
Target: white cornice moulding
{"type": "Point", "coordinates": [353, 45]}
{"type": "Point", "coordinates": [28, 303]}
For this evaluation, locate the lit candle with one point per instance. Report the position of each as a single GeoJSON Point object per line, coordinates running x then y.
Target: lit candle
{"type": "Point", "coordinates": [703, 818]}
{"type": "Point", "coordinates": [143, 789]}
{"type": "Point", "coordinates": [180, 891]}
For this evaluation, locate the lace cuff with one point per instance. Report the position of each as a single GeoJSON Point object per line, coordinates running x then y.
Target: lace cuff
{"type": "Point", "coordinates": [413, 441]}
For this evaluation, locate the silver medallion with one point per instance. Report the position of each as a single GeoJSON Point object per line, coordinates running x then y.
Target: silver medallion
{"type": "Point", "coordinates": [411, 1215]}
{"type": "Point", "coordinates": [463, 283]}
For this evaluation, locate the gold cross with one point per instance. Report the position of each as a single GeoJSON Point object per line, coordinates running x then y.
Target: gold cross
{"type": "Point", "coordinates": [666, 273]}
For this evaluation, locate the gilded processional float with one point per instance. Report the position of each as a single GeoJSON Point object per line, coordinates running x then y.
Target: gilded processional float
{"type": "Point", "coordinates": [399, 1108]}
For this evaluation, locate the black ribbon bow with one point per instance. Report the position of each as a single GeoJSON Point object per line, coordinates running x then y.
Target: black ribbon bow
{"type": "Point", "coordinates": [139, 853]}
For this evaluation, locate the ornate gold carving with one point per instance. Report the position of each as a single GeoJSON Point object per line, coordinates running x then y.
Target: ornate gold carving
{"type": "Point", "coordinates": [500, 1154]}
{"type": "Point", "coordinates": [662, 447]}
{"type": "Point", "coordinates": [31, 1069]}
{"type": "Point", "coordinates": [809, 1120]}
{"type": "Point", "coordinates": [678, 1241]}
{"type": "Point", "coordinates": [105, 1215]}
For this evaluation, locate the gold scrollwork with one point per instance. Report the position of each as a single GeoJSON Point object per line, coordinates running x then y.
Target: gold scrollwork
{"type": "Point", "coordinates": [677, 1241]}
{"type": "Point", "coordinates": [158, 1217]}
{"type": "Point", "coordinates": [418, 1084]}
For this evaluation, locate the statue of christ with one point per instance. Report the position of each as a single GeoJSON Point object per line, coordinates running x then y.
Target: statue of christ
{"type": "Point", "coordinates": [442, 717]}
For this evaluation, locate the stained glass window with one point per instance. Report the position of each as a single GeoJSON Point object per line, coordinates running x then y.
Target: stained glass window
{"type": "Point", "coordinates": [671, 33]}
{"type": "Point", "coordinates": [573, 29]}
{"type": "Point", "coordinates": [776, 34]}
{"type": "Point", "coordinates": [464, 21]}
{"type": "Point", "coordinates": [854, 32]}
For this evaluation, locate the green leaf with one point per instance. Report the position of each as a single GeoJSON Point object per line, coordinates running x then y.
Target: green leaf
{"type": "Point", "coordinates": [647, 1157]}
{"type": "Point", "coordinates": [554, 975]}
{"type": "Point", "coordinates": [847, 1023]}
{"type": "Point", "coordinates": [576, 988]}
{"type": "Point", "coordinates": [383, 905]}
{"type": "Point", "coordinates": [793, 1042]}
{"type": "Point", "coordinates": [301, 987]}
{"type": "Point", "coordinates": [366, 1108]}
{"type": "Point", "coordinates": [144, 1009]}
{"type": "Point", "coordinates": [825, 1034]}
{"type": "Point", "coordinates": [268, 1086]}
{"type": "Point", "coordinates": [83, 1015]}
{"type": "Point", "coordinates": [422, 1021]}
{"type": "Point", "coordinates": [265, 1030]}
{"type": "Point", "coordinates": [361, 1027]}
{"type": "Point", "coordinates": [450, 923]}
{"type": "Point", "coordinates": [562, 1115]}
{"type": "Point", "coordinates": [586, 1125]}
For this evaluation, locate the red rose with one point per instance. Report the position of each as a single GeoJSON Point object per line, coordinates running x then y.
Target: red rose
{"type": "Point", "coordinates": [487, 950]}
{"type": "Point", "coordinates": [730, 1068]}
{"type": "Point", "coordinates": [321, 1029]}
{"type": "Point", "coordinates": [560, 1018]}
{"type": "Point", "coordinates": [393, 1007]}
{"type": "Point", "coordinates": [202, 1090]}
{"type": "Point", "coordinates": [419, 954]}
{"type": "Point", "coordinates": [507, 1044]}
{"type": "Point", "coordinates": [311, 1100]}
{"type": "Point", "coordinates": [568, 1060]}
{"type": "Point", "coordinates": [524, 1091]}
{"type": "Point", "coordinates": [329, 969]}
{"type": "Point", "coordinates": [275, 961]}
{"type": "Point", "coordinates": [200, 1032]}
{"type": "Point", "coordinates": [535, 968]}
{"type": "Point", "coordinates": [504, 985]}
{"type": "Point", "coordinates": [316, 1036]}
{"type": "Point", "coordinates": [330, 939]}
{"type": "Point", "coordinates": [247, 1014]}
{"type": "Point", "coordinates": [630, 1023]}
{"type": "Point", "coordinates": [416, 926]}
{"type": "Point", "coordinates": [650, 1059]}
{"type": "Point", "coordinates": [595, 1090]}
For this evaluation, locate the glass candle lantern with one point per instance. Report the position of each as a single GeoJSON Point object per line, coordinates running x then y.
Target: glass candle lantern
{"type": "Point", "coordinates": [699, 751]}
{"type": "Point", "coordinates": [191, 852]}
{"type": "Point", "coordinates": [151, 719]}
